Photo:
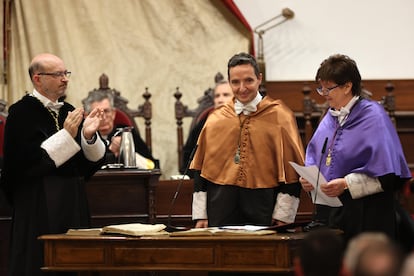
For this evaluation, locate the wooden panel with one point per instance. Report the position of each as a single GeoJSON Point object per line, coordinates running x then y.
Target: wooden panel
{"type": "Point", "coordinates": [180, 211]}
{"type": "Point", "coordinates": [79, 255]}
{"type": "Point", "coordinates": [5, 227]}
{"type": "Point", "coordinates": [405, 129]}
{"type": "Point", "coordinates": [122, 196]}
{"type": "Point", "coordinates": [291, 92]}
{"type": "Point", "coordinates": [268, 253]}
{"type": "Point", "coordinates": [165, 192]}
{"type": "Point", "coordinates": [305, 208]}
{"type": "Point", "coordinates": [131, 256]}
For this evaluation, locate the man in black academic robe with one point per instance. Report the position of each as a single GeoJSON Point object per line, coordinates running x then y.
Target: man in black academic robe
{"type": "Point", "coordinates": [49, 152]}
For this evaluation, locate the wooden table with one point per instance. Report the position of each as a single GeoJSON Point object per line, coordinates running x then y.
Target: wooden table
{"type": "Point", "coordinates": [122, 196]}
{"type": "Point", "coordinates": [268, 253]}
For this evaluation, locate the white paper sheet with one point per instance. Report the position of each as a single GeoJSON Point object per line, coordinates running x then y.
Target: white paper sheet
{"type": "Point", "coordinates": [310, 173]}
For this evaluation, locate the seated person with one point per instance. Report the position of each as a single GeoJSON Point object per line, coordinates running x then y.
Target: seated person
{"type": "Point", "coordinates": [108, 131]}
{"type": "Point", "coordinates": [320, 253]}
{"type": "Point", "coordinates": [222, 94]}
{"type": "Point", "coordinates": [372, 253]}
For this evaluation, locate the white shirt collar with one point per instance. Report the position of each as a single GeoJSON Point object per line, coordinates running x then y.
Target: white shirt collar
{"type": "Point", "coordinates": [342, 113]}
{"type": "Point", "coordinates": [249, 107]}
{"type": "Point", "coordinates": [55, 106]}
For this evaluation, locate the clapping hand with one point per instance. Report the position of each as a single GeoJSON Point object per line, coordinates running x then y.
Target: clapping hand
{"type": "Point", "coordinates": [92, 122]}
{"type": "Point", "coordinates": [73, 120]}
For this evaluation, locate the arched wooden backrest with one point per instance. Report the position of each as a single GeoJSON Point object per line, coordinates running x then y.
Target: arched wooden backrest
{"type": "Point", "coordinates": [312, 112]}
{"type": "Point", "coordinates": [124, 113]}
{"type": "Point", "coordinates": [388, 101]}
{"type": "Point", "coordinates": [205, 102]}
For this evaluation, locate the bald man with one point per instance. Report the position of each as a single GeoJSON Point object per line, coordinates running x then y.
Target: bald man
{"type": "Point", "coordinates": [49, 151]}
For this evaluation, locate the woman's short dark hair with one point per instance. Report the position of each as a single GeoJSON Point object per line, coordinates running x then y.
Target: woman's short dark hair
{"type": "Point", "coordinates": [340, 69]}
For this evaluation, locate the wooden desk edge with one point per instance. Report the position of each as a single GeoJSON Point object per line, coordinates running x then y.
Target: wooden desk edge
{"type": "Point", "coordinates": [250, 253]}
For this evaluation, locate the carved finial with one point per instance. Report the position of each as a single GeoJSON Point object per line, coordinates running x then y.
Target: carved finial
{"type": "Point", "coordinates": [146, 95]}
{"type": "Point", "coordinates": [218, 77]}
{"type": "Point", "coordinates": [306, 90]}
{"type": "Point", "coordinates": [103, 82]}
{"type": "Point", "coordinates": [389, 87]}
{"type": "Point", "coordinates": [178, 94]}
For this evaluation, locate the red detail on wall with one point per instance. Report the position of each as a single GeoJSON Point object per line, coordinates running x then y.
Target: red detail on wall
{"type": "Point", "coordinates": [235, 10]}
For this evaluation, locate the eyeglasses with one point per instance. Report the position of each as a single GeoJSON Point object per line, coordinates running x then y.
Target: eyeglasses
{"type": "Point", "coordinates": [56, 74]}
{"type": "Point", "coordinates": [325, 92]}
{"type": "Point", "coordinates": [108, 111]}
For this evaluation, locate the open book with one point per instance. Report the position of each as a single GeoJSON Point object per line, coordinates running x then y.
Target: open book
{"type": "Point", "coordinates": [84, 232]}
{"type": "Point", "coordinates": [225, 231]}
{"type": "Point", "coordinates": [130, 229]}
{"type": "Point", "coordinates": [136, 229]}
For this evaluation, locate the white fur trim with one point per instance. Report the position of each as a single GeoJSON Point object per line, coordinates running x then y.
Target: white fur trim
{"type": "Point", "coordinates": [199, 205]}
{"type": "Point", "coordinates": [286, 208]}
{"type": "Point", "coordinates": [361, 185]}
{"type": "Point", "coordinates": [60, 147]}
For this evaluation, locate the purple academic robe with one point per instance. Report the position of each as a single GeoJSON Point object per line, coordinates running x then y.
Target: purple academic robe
{"type": "Point", "coordinates": [367, 143]}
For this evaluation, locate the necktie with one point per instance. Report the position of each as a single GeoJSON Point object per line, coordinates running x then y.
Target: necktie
{"type": "Point", "coordinates": [246, 109]}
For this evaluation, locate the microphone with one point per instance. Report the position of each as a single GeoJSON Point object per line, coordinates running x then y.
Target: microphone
{"type": "Point", "coordinates": [171, 228]}
{"type": "Point", "coordinates": [319, 170]}
{"type": "Point", "coordinates": [314, 223]}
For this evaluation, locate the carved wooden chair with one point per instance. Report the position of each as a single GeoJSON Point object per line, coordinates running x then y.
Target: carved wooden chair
{"type": "Point", "coordinates": [3, 118]}
{"type": "Point", "coordinates": [205, 106]}
{"type": "Point", "coordinates": [169, 210]}
{"type": "Point", "coordinates": [124, 114]}
{"type": "Point", "coordinates": [388, 101]}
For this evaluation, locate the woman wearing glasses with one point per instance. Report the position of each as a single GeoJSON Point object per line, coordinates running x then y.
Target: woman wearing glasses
{"type": "Point", "coordinates": [358, 151]}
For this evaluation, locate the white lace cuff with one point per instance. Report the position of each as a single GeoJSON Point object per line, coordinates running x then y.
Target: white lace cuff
{"type": "Point", "coordinates": [60, 147]}
{"type": "Point", "coordinates": [199, 205]}
{"type": "Point", "coordinates": [286, 208]}
{"type": "Point", "coordinates": [361, 185]}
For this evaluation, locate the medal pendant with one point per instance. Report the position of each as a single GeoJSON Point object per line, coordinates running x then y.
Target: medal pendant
{"type": "Point", "coordinates": [328, 159]}
{"type": "Point", "coordinates": [237, 157]}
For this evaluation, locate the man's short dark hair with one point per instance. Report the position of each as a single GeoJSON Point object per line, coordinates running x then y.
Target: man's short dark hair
{"type": "Point", "coordinates": [243, 58]}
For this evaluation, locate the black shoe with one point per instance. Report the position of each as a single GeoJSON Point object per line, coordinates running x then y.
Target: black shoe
{"type": "Point", "coordinates": [313, 225]}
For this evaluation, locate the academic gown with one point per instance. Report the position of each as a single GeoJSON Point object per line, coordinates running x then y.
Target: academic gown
{"type": "Point", "coordinates": [267, 140]}
{"type": "Point", "coordinates": [252, 152]}
{"type": "Point", "coordinates": [45, 199]}
{"type": "Point", "coordinates": [190, 145]}
{"type": "Point", "coordinates": [367, 143]}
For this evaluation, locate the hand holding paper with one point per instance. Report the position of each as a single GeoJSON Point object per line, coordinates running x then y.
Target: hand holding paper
{"type": "Point", "coordinates": [311, 173]}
